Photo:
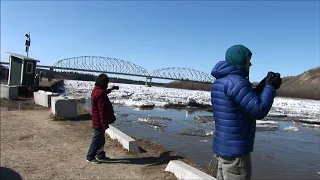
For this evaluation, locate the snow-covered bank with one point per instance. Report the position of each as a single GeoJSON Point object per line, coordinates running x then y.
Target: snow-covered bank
{"type": "Point", "coordinates": [142, 96]}
{"type": "Point", "coordinates": [138, 95]}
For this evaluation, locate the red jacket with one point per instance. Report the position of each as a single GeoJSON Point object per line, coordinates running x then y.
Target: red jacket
{"type": "Point", "coordinates": [101, 108]}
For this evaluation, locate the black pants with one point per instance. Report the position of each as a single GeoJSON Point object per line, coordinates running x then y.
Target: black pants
{"type": "Point", "coordinates": [97, 144]}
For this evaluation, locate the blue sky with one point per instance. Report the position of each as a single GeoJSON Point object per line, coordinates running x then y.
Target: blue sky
{"type": "Point", "coordinates": [283, 36]}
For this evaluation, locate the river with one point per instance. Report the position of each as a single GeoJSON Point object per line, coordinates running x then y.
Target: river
{"type": "Point", "coordinates": [279, 152]}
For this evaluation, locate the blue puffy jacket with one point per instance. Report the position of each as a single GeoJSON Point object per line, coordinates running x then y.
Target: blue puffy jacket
{"type": "Point", "coordinates": [235, 107]}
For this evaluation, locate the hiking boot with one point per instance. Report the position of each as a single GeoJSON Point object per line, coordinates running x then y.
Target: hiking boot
{"type": "Point", "coordinates": [102, 159]}
{"type": "Point", "coordinates": [95, 161]}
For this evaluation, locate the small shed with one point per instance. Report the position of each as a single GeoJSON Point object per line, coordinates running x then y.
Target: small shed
{"type": "Point", "coordinates": [22, 70]}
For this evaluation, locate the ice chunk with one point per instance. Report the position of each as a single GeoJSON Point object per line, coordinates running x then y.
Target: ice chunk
{"type": "Point", "coordinates": [266, 125]}
{"type": "Point", "coordinates": [196, 132]}
{"type": "Point", "coordinates": [260, 122]}
{"type": "Point", "coordinates": [153, 123]}
{"type": "Point", "coordinates": [291, 128]}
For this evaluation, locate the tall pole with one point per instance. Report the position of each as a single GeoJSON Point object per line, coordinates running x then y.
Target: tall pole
{"type": "Point", "coordinates": [28, 42]}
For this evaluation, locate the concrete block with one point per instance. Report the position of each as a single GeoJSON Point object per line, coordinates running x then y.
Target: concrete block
{"type": "Point", "coordinates": [64, 107]}
{"type": "Point", "coordinates": [37, 96]}
{"type": "Point", "coordinates": [9, 92]}
{"type": "Point", "coordinates": [43, 98]}
{"type": "Point", "coordinates": [126, 141]}
{"type": "Point", "coordinates": [184, 171]}
{"type": "Point", "coordinates": [49, 95]}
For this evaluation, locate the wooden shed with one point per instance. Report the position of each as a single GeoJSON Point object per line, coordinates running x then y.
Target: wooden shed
{"type": "Point", "coordinates": [22, 70]}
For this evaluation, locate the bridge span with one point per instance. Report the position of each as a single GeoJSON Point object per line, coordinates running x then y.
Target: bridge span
{"type": "Point", "coordinates": [98, 64]}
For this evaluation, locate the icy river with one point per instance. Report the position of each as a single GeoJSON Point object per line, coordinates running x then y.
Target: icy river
{"type": "Point", "coordinates": [287, 144]}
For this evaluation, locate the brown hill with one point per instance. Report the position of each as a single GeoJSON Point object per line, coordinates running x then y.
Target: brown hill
{"type": "Point", "coordinates": [311, 77]}
{"type": "Point", "coordinates": [187, 85]}
{"type": "Point", "coordinates": [305, 85]}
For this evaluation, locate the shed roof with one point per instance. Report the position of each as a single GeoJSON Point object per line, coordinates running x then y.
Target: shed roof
{"type": "Point", "coordinates": [22, 57]}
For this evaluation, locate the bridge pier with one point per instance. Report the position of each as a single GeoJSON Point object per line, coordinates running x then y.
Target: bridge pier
{"type": "Point", "coordinates": [148, 83]}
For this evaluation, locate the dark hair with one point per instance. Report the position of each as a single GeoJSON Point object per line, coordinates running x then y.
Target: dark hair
{"type": "Point", "coordinates": [102, 81]}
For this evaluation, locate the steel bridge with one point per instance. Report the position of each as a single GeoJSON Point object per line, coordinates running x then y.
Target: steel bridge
{"type": "Point", "coordinates": [117, 66]}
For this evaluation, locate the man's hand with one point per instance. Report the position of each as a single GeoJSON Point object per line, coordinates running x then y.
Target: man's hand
{"type": "Point", "coordinates": [274, 79]}
{"type": "Point", "coordinates": [269, 76]}
{"type": "Point", "coordinates": [115, 88]}
{"type": "Point", "coordinates": [259, 88]}
{"type": "Point", "coordinates": [112, 88]}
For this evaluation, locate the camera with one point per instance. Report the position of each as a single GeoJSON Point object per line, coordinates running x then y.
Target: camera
{"type": "Point", "coordinates": [115, 87]}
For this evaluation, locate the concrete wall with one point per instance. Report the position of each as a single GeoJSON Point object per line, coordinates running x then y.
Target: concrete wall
{"type": "Point", "coordinates": [9, 92]}
{"type": "Point", "coordinates": [126, 141]}
{"type": "Point", "coordinates": [64, 107]}
{"type": "Point", "coordinates": [184, 171]}
{"type": "Point", "coordinates": [43, 98]}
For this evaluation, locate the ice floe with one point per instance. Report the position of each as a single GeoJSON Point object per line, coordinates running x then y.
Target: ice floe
{"type": "Point", "coordinates": [153, 121]}
{"type": "Point", "coordinates": [291, 128]}
{"type": "Point", "coordinates": [196, 132]}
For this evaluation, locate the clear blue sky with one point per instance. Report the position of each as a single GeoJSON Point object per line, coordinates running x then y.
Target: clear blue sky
{"type": "Point", "coordinates": [283, 36]}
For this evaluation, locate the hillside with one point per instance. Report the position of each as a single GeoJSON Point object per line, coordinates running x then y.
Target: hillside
{"type": "Point", "coordinates": [309, 77]}
{"type": "Point", "coordinates": [305, 85]}
{"type": "Point", "coordinates": [188, 85]}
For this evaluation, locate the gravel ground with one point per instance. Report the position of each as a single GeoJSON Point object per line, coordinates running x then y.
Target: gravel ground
{"type": "Point", "coordinates": [37, 147]}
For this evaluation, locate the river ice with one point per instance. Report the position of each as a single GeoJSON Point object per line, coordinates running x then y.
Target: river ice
{"type": "Point", "coordinates": [306, 111]}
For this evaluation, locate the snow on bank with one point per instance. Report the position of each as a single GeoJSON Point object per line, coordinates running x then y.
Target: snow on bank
{"type": "Point", "coordinates": [303, 108]}
{"type": "Point", "coordinates": [142, 96]}
{"type": "Point", "coordinates": [139, 95]}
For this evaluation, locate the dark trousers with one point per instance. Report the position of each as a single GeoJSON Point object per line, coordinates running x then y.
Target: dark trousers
{"type": "Point", "coordinates": [97, 144]}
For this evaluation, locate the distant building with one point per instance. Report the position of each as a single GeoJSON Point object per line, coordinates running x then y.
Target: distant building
{"type": "Point", "coordinates": [22, 70]}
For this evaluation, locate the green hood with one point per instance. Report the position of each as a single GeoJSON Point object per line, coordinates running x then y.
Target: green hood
{"type": "Point", "coordinates": [237, 55]}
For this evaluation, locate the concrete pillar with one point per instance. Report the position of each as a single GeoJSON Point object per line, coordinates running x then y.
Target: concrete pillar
{"type": "Point", "coordinates": [148, 83]}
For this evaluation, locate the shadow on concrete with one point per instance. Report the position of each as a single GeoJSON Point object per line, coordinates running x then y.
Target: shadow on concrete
{"type": "Point", "coordinates": [21, 99]}
{"type": "Point", "coordinates": [9, 174]}
{"type": "Point", "coordinates": [142, 150]}
{"type": "Point", "coordinates": [84, 117]}
{"type": "Point", "coordinates": [164, 158]}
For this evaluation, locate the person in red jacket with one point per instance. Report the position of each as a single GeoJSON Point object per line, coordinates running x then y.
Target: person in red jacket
{"type": "Point", "coordinates": [102, 116]}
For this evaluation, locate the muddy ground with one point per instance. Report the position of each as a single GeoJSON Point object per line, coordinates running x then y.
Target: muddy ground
{"type": "Point", "coordinates": [36, 146]}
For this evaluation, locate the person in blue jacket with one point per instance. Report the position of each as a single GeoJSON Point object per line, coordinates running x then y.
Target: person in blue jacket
{"type": "Point", "coordinates": [236, 105]}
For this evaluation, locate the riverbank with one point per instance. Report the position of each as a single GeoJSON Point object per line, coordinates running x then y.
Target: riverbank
{"type": "Point", "coordinates": [38, 147]}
